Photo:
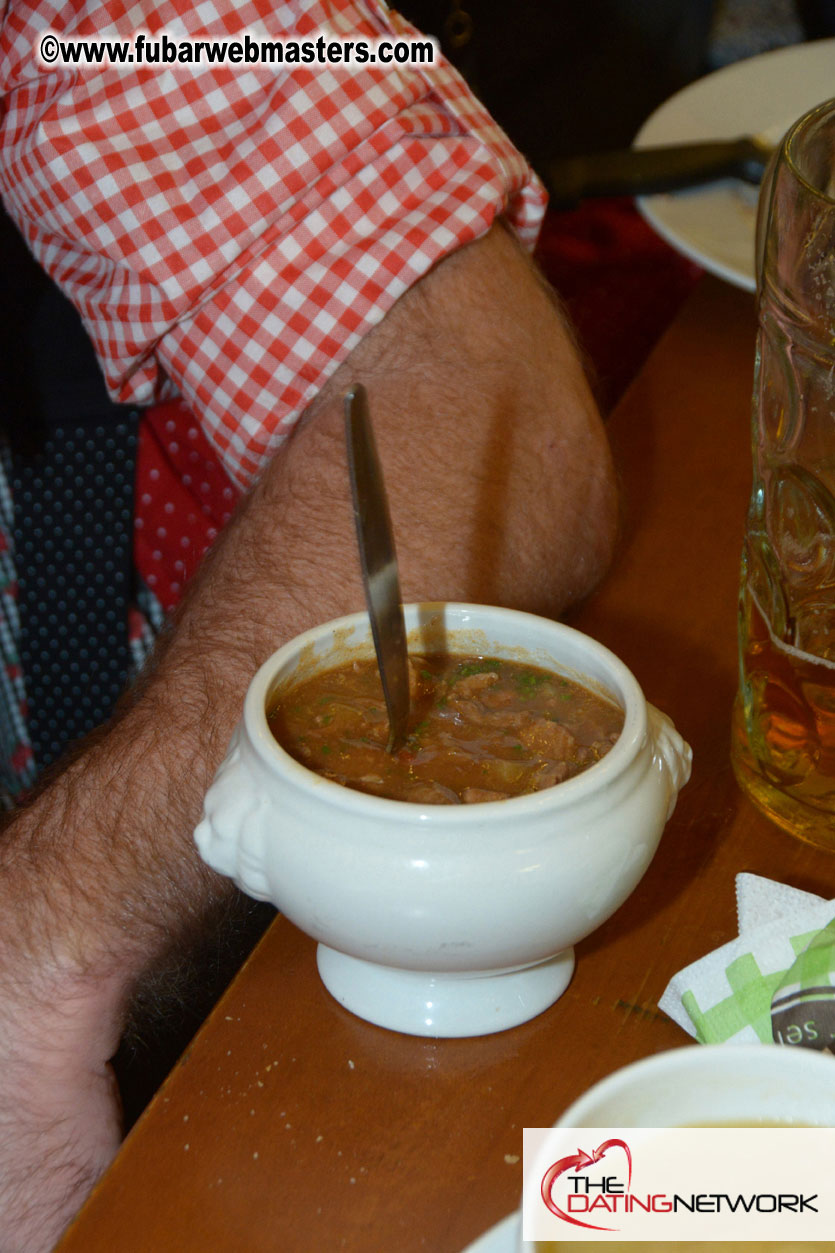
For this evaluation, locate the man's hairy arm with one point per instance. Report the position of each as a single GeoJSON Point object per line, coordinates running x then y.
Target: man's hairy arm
{"type": "Point", "coordinates": [501, 491]}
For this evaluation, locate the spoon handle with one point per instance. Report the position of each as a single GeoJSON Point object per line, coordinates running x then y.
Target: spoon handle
{"type": "Point", "coordinates": [378, 561]}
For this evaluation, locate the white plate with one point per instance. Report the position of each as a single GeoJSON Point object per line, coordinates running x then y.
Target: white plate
{"type": "Point", "coordinates": [714, 225]}
{"type": "Point", "coordinates": [503, 1238]}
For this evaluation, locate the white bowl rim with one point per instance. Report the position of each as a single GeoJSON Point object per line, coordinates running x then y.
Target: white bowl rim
{"type": "Point", "coordinates": [700, 1057]}
{"type": "Point", "coordinates": [560, 796]}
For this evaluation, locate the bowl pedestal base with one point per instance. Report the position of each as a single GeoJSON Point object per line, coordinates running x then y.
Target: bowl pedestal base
{"type": "Point", "coordinates": [450, 1004]}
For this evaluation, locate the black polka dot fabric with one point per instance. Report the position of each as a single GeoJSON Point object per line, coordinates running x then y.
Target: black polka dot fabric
{"type": "Point", "coordinates": [73, 526]}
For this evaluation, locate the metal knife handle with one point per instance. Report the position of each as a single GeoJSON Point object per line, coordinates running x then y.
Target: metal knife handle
{"type": "Point", "coordinates": [645, 171]}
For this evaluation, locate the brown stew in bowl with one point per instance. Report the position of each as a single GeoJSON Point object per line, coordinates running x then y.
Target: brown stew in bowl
{"type": "Point", "coordinates": [482, 729]}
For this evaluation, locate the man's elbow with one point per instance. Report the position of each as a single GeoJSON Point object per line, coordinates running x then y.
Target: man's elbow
{"type": "Point", "coordinates": [563, 552]}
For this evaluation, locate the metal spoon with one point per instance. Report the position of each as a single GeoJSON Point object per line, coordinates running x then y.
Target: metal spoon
{"type": "Point", "coordinates": [378, 561]}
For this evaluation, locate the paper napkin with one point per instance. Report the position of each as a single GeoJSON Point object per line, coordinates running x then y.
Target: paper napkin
{"type": "Point", "coordinates": [774, 983]}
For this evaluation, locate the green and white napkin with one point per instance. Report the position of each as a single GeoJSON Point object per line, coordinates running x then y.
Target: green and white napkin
{"type": "Point", "coordinates": [774, 983]}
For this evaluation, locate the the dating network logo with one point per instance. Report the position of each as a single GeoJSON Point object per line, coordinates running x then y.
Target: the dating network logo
{"type": "Point", "coordinates": [571, 1186]}
{"type": "Point", "coordinates": [589, 1189]}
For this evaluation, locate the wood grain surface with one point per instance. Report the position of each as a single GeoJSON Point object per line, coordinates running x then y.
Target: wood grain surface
{"type": "Point", "coordinates": [291, 1125]}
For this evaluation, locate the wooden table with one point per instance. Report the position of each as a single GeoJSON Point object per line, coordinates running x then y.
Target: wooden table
{"type": "Point", "coordinates": [291, 1125]}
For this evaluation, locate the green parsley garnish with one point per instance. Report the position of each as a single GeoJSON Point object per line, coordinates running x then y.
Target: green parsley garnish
{"type": "Point", "coordinates": [466, 668]}
{"type": "Point", "coordinates": [527, 682]}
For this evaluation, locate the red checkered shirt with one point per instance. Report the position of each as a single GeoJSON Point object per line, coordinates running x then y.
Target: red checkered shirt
{"type": "Point", "coordinates": [232, 232]}
{"type": "Point", "coordinates": [228, 234]}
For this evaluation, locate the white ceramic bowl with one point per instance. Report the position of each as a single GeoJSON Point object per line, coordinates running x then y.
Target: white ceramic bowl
{"type": "Point", "coordinates": [444, 920]}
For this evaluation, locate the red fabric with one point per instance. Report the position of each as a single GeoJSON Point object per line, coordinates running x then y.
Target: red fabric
{"type": "Point", "coordinates": [183, 498]}
{"type": "Point", "coordinates": [621, 283]}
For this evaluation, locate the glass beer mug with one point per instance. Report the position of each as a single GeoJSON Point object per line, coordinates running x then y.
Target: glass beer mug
{"type": "Point", "coordinates": [783, 745]}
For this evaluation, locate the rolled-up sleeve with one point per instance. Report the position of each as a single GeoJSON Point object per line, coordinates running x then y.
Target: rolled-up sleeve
{"type": "Point", "coordinates": [230, 233]}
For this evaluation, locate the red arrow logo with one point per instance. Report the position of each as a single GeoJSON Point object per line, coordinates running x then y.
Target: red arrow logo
{"type": "Point", "coordinates": [581, 1160]}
